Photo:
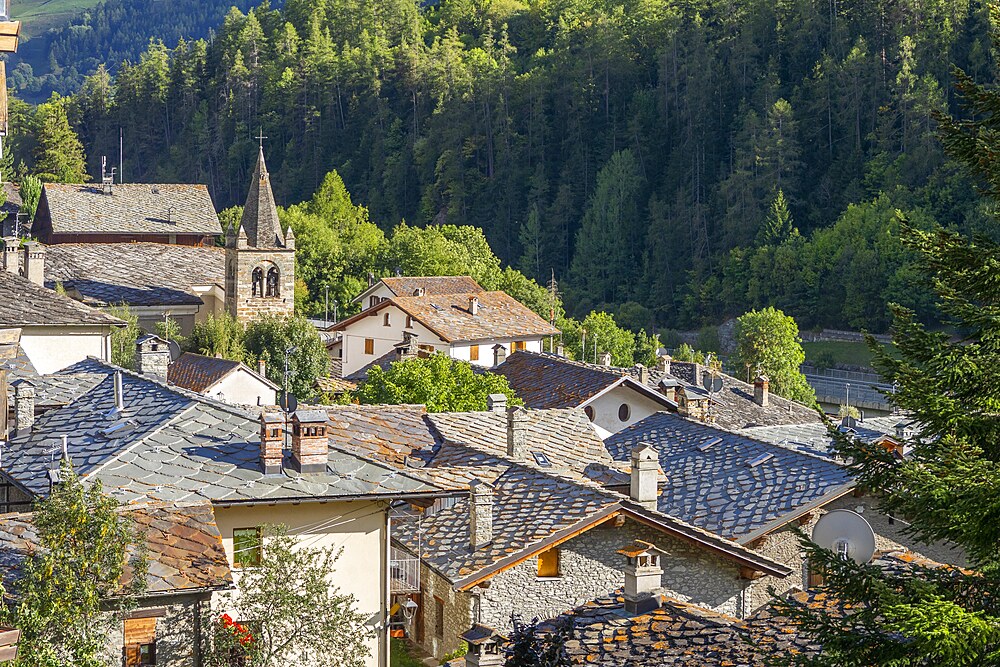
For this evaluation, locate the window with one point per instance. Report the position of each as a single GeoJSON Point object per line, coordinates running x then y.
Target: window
{"type": "Point", "coordinates": [438, 617]}
{"type": "Point", "coordinates": [548, 563]}
{"type": "Point", "coordinates": [519, 345]}
{"type": "Point", "coordinates": [624, 412]}
{"type": "Point", "coordinates": [273, 278]}
{"type": "Point", "coordinates": [474, 353]}
{"type": "Point", "coordinates": [257, 282]}
{"type": "Point", "coordinates": [386, 322]}
{"type": "Point", "coordinates": [373, 301]}
{"type": "Point", "coordinates": [409, 322]}
{"type": "Point", "coordinates": [140, 642]}
{"type": "Point", "coordinates": [589, 410]}
{"type": "Point", "coordinates": [369, 346]}
{"type": "Point", "coordinates": [247, 547]}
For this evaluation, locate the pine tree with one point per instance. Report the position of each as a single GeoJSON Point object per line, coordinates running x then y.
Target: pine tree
{"type": "Point", "coordinates": [59, 153]}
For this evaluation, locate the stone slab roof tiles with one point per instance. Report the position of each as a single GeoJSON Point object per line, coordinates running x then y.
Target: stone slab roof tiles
{"type": "Point", "coordinates": [395, 434]}
{"type": "Point", "coordinates": [139, 274]}
{"type": "Point", "coordinates": [183, 546]}
{"type": "Point", "coordinates": [23, 303]}
{"type": "Point", "coordinates": [132, 208]}
{"type": "Point", "coordinates": [727, 483]}
{"type": "Point", "coordinates": [550, 381]}
{"type": "Point", "coordinates": [815, 439]}
{"type": "Point", "coordinates": [171, 445]}
{"type": "Point", "coordinates": [408, 285]}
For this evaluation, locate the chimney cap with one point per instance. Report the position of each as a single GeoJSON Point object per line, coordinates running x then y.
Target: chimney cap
{"type": "Point", "coordinates": [272, 418]}
{"type": "Point", "coordinates": [761, 378]}
{"type": "Point", "coordinates": [309, 416]}
{"type": "Point", "coordinates": [644, 452]}
{"type": "Point", "coordinates": [639, 547]}
{"type": "Point", "coordinates": [481, 634]}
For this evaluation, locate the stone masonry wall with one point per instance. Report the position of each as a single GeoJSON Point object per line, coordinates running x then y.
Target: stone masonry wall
{"type": "Point", "coordinates": [590, 568]}
{"type": "Point", "coordinates": [458, 614]}
{"type": "Point", "coordinates": [175, 635]}
{"type": "Point", "coordinates": [239, 300]}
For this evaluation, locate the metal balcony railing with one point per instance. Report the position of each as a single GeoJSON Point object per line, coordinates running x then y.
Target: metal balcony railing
{"type": "Point", "coordinates": [404, 572]}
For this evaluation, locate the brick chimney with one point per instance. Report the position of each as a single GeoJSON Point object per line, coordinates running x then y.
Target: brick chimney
{"type": "Point", "coordinates": [517, 433]}
{"type": "Point", "coordinates": [310, 449]}
{"type": "Point", "coordinates": [761, 389]}
{"type": "Point", "coordinates": [643, 481]}
{"type": "Point", "coordinates": [480, 514]}
{"type": "Point", "coordinates": [499, 354]}
{"type": "Point", "coordinates": [605, 359]}
{"type": "Point", "coordinates": [262, 368]}
{"type": "Point", "coordinates": [34, 262]}
{"type": "Point", "coordinates": [24, 407]}
{"type": "Point", "coordinates": [10, 253]}
{"type": "Point", "coordinates": [496, 403]}
{"type": "Point", "coordinates": [272, 440]}
{"type": "Point", "coordinates": [152, 357]}
{"type": "Point", "coordinates": [643, 576]}
{"type": "Point", "coordinates": [485, 647]}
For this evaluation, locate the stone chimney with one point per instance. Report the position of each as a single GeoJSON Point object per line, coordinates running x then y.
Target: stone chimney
{"type": "Point", "coordinates": [310, 449]}
{"type": "Point", "coordinates": [643, 487]}
{"type": "Point", "coordinates": [496, 403]}
{"type": "Point", "coordinates": [34, 262]}
{"type": "Point", "coordinates": [517, 433]}
{"type": "Point", "coordinates": [407, 348]}
{"type": "Point", "coordinates": [761, 389]}
{"type": "Point", "coordinates": [698, 370]}
{"type": "Point", "coordinates": [152, 357]}
{"type": "Point", "coordinates": [474, 305]}
{"type": "Point", "coordinates": [485, 647]}
{"type": "Point", "coordinates": [605, 359]}
{"type": "Point", "coordinates": [642, 374]}
{"type": "Point", "coordinates": [663, 364]}
{"type": "Point", "coordinates": [643, 576]}
{"type": "Point", "coordinates": [272, 440]}
{"type": "Point", "coordinates": [499, 354]}
{"type": "Point", "coordinates": [24, 407]}
{"type": "Point", "coordinates": [262, 368]}
{"type": "Point", "coordinates": [480, 514]}
{"type": "Point", "coordinates": [10, 253]}
{"type": "Point", "coordinates": [560, 351]}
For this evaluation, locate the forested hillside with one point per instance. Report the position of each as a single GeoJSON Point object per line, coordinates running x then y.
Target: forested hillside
{"type": "Point", "coordinates": [674, 161]}
{"type": "Point", "coordinates": [113, 31]}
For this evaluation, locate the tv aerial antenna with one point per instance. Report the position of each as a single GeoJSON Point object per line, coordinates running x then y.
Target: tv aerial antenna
{"type": "Point", "coordinates": [712, 382]}
{"type": "Point", "coordinates": [847, 534]}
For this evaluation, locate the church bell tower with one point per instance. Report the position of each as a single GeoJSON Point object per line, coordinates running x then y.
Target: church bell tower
{"type": "Point", "coordinates": [260, 258]}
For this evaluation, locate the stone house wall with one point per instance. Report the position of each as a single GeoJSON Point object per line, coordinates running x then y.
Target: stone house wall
{"type": "Point", "coordinates": [178, 643]}
{"type": "Point", "coordinates": [240, 264]}
{"type": "Point", "coordinates": [458, 614]}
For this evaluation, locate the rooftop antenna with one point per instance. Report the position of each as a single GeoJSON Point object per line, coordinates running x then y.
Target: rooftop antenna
{"type": "Point", "coordinates": [121, 155]}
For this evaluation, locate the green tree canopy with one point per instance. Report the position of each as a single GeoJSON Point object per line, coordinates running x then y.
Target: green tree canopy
{"type": "Point", "coordinates": [58, 151]}
{"type": "Point", "coordinates": [596, 334]}
{"type": "Point", "coordinates": [269, 338]}
{"type": "Point", "coordinates": [768, 340]}
{"type": "Point", "coordinates": [123, 338]}
{"type": "Point", "coordinates": [441, 383]}
{"type": "Point", "coordinates": [219, 336]}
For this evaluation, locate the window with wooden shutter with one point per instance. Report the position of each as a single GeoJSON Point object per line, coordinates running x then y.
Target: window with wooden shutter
{"type": "Point", "coordinates": [474, 353]}
{"type": "Point", "coordinates": [369, 346]}
{"type": "Point", "coordinates": [548, 563]}
{"type": "Point", "coordinates": [140, 642]}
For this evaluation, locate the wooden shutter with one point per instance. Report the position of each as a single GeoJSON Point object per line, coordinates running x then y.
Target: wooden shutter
{"type": "Point", "coordinates": [474, 353]}
{"type": "Point", "coordinates": [548, 563]}
{"type": "Point", "coordinates": [369, 346]}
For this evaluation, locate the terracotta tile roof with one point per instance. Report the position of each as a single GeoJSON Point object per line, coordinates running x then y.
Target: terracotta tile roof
{"type": "Point", "coordinates": [408, 285]}
{"type": "Point", "coordinates": [139, 274]}
{"type": "Point", "coordinates": [183, 546]}
{"type": "Point", "coordinates": [26, 304]}
{"type": "Point", "coordinates": [133, 208]}
{"type": "Point", "coordinates": [728, 483]}
{"type": "Point", "coordinates": [544, 380]}
{"type": "Point", "coordinates": [199, 373]}
{"type": "Point", "coordinates": [500, 316]}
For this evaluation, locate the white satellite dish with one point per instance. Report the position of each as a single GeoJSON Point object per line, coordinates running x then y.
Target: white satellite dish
{"type": "Point", "coordinates": [847, 534]}
{"type": "Point", "coordinates": [175, 350]}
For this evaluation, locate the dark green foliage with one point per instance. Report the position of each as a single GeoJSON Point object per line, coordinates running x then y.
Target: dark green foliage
{"type": "Point", "coordinates": [269, 337]}
{"type": "Point", "coordinates": [531, 647]}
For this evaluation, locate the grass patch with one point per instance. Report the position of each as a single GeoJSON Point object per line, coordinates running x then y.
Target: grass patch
{"type": "Point", "coordinates": [400, 656]}
{"type": "Point", "coordinates": [830, 352]}
{"type": "Point", "coordinates": [37, 16]}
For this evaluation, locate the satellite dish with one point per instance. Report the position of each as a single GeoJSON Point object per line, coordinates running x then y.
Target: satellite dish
{"type": "Point", "coordinates": [288, 402]}
{"type": "Point", "coordinates": [175, 350]}
{"type": "Point", "coordinates": [847, 534]}
{"type": "Point", "coordinates": [712, 383]}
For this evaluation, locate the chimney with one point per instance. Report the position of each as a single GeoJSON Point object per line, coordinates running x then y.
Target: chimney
{"type": "Point", "coordinates": [643, 374]}
{"type": "Point", "coordinates": [474, 305]}
{"type": "Point", "coordinates": [24, 407]}
{"type": "Point", "coordinates": [517, 433]}
{"type": "Point", "coordinates": [119, 392]}
{"type": "Point", "coordinates": [152, 357]}
{"type": "Point", "coordinates": [663, 364]}
{"type": "Point", "coordinates": [34, 262]}
{"type": "Point", "coordinates": [605, 359]}
{"type": "Point", "coordinates": [643, 482]}
{"type": "Point", "coordinates": [499, 354]}
{"type": "Point", "coordinates": [408, 348]}
{"type": "Point", "coordinates": [3, 403]}
{"type": "Point", "coordinates": [418, 292]}
{"type": "Point", "coordinates": [10, 253]}
{"type": "Point", "coordinates": [761, 389]}
{"type": "Point", "coordinates": [696, 381]}
{"type": "Point", "coordinates": [261, 368]}
{"type": "Point", "coordinates": [496, 403]}
{"type": "Point", "coordinates": [480, 514]}
{"type": "Point", "coordinates": [485, 647]}
{"type": "Point", "coordinates": [272, 439]}
{"type": "Point", "coordinates": [560, 351]}
{"type": "Point", "coordinates": [310, 449]}
{"type": "Point", "coordinates": [643, 576]}
{"type": "Point", "coordinates": [371, 279]}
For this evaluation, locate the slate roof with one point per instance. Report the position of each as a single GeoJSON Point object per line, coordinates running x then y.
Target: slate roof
{"type": "Point", "coordinates": [132, 208]}
{"type": "Point", "coordinates": [814, 438]}
{"type": "Point", "coordinates": [183, 547]}
{"type": "Point", "coordinates": [390, 433]}
{"type": "Point", "coordinates": [171, 445]}
{"type": "Point", "coordinates": [728, 483]}
{"type": "Point", "coordinates": [200, 373]}
{"type": "Point", "coordinates": [260, 215]}
{"type": "Point", "coordinates": [23, 303]}
{"type": "Point", "coordinates": [447, 315]}
{"type": "Point", "coordinates": [139, 274]}
{"type": "Point", "coordinates": [407, 285]}
{"type": "Point", "coordinates": [734, 408]}
{"type": "Point", "coordinates": [544, 380]}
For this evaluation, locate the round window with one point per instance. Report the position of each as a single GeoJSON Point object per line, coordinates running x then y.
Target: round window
{"type": "Point", "coordinates": [590, 412]}
{"type": "Point", "coordinates": [624, 412]}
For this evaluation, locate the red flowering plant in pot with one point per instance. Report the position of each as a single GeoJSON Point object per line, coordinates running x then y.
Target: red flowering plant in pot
{"type": "Point", "coordinates": [233, 644]}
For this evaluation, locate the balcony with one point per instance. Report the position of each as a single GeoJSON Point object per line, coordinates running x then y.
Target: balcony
{"type": "Point", "coordinates": [404, 572]}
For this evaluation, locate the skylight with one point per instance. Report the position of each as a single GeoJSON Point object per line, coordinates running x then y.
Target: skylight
{"type": "Point", "coordinates": [705, 446]}
{"type": "Point", "coordinates": [542, 460]}
{"type": "Point", "coordinates": [757, 460]}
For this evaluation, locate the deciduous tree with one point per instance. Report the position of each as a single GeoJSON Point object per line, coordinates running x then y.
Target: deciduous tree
{"type": "Point", "coordinates": [768, 340]}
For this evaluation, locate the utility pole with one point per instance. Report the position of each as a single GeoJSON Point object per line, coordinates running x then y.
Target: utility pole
{"type": "Point", "coordinates": [326, 305]}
